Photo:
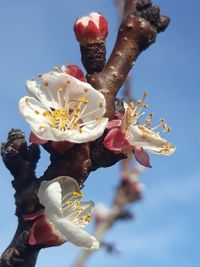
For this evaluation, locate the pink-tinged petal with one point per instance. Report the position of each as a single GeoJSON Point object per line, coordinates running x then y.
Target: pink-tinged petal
{"type": "Point", "coordinates": [91, 31]}
{"type": "Point", "coordinates": [142, 157]}
{"type": "Point", "coordinates": [76, 72]}
{"type": "Point", "coordinates": [61, 146]}
{"type": "Point", "coordinates": [119, 116]}
{"type": "Point", "coordinates": [33, 216]}
{"type": "Point", "coordinates": [103, 26]}
{"type": "Point", "coordinates": [116, 141]}
{"type": "Point", "coordinates": [36, 140]}
{"type": "Point", "coordinates": [114, 124]}
{"type": "Point", "coordinates": [79, 30]}
{"type": "Point", "coordinates": [43, 234]}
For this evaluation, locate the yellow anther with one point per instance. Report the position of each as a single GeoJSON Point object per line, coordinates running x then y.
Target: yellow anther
{"type": "Point", "coordinates": [132, 105]}
{"type": "Point", "coordinates": [166, 149]}
{"type": "Point", "coordinates": [78, 206]}
{"type": "Point", "coordinates": [69, 202]}
{"type": "Point", "coordinates": [75, 125]}
{"type": "Point", "coordinates": [68, 82]}
{"type": "Point", "coordinates": [87, 217]}
{"type": "Point", "coordinates": [46, 84]}
{"type": "Point", "coordinates": [56, 68]}
{"type": "Point", "coordinates": [77, 194]}
{"type": "Point", "coordinates": [83, 100]}
{"type": "Point", "coordinates": [46, 113]}
{"type": "Point", "coordinates": [128, 118]}
{"type": "Point", "coordinates": [76, 115]}
{"type": "Point", "coordinates": [98, 118]}
{"type": "Point", "coordinates": [37, 112]}
{"type": "Point", "coordinates": [41, 128]}
{"type": "Point", "coordinates": [151, 114]}
{"type": "Point", "coordinates": [86, 90]}
{"type": "Point", "coordinates": [145, 94]}
{"type": "Point", "coordinates": [78, 109]}
{"type": "Point", "coordinates": [148, 121]}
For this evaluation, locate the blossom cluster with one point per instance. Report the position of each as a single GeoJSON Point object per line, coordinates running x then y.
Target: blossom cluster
{"type": "Point", "coordinates": [62, 109]}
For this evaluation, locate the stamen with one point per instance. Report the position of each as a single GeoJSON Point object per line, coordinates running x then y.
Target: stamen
{"type": "Point", "coordinates": [66, 100]}
{"type": "Point", "coordinates": [41, 128]}
{"type": "Point", "coordinates": [46, 84]}
{"type": "Point", "coordinates": [98, 118]}
{"type": "Point", "coordinates": [59, 90]}
{"type": "Point", "coordinates": [90, 113]}
{"type": "Point", "coordinates": [78, 194]}
{"type": "Point", "coordinates": [149, 120]}
{"type": "Point", "coordinates": [87, 217]}
{"type": "Point", "coordinates": [83, 100]}
{"type": "Point", "coordinates": [78, 206]}
{"type": "Point", "coordinates": [69, 202]}
{"type": "Point", "coordinates": [57, 68]}
{"type": "Point", "coordinates": [100, 105]}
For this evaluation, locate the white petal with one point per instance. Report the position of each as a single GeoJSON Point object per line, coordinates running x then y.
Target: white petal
{"type": "Point", "coordinates": [50, 197]}
{"type": "Point", "coordinates": [96, 101]}
{"type": "Point", "coordinates": [149, 140]}
{"type": "Point", "coordinates": [89, 132]}
{"type": "Point", "coordinates": [74, 212]}
{"type": "Point", "coordinates": [43, 94]}
{"type": "Point", "coordinates": [60, 90]}
{"type": "Point", "coordinates": [88, 207]}
{"type": "Point", "coordinates": [74, 234]}
{"type": "Point", "coordinates": [46, 91]}
{"type": "Point", "coordinates": [32, 110]}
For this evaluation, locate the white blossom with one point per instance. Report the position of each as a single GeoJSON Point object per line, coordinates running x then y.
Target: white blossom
{"type": "Point", "coordinates": [63, 209]}
{"type": "Point", "coordinates": [143, 135]}
{"type": "Point", "coordinates": [63, 108]}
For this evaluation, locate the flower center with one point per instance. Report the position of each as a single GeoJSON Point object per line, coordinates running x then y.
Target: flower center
{"type": "Point", "coordinates": [69, 118]}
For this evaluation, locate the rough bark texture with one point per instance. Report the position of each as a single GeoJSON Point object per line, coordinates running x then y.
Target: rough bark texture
{"type": "Point", "coordinates": [140, 25]}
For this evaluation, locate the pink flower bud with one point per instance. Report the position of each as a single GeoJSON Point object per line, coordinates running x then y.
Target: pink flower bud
{"type": "Point", "coordinates": [75, 71]}
{"type": "Point", "coordinates": [91, 29]}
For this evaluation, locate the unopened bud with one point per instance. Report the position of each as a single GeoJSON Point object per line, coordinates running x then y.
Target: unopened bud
{"type": "Point", "coordinates": [91, 29]}
{"type": "Point", "coordinates": [74, 71]}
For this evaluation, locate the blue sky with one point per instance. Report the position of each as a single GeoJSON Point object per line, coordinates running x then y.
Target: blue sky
{"type": "Point", "coordinates": [37, 35]}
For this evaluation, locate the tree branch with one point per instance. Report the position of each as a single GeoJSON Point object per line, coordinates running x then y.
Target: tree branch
{"type": "Point", "coordinates": [138, 30]}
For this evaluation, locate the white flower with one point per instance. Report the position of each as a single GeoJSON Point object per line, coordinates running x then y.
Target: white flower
{"type": "Point", "coordinates": [67, 215]}
{"type": "Point", "coordinates": [142, 135]}
{"type": "Point", "coordinates": [63, 108]}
